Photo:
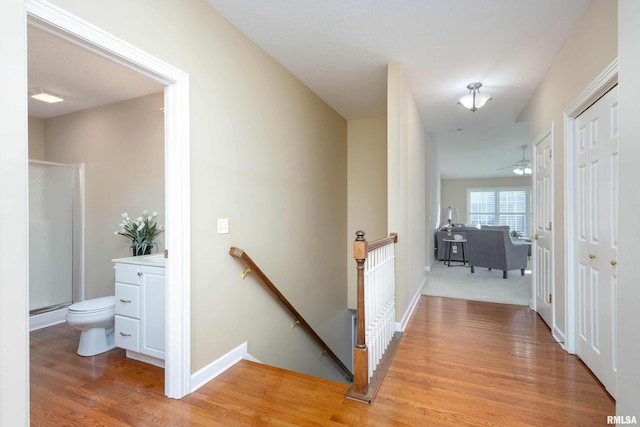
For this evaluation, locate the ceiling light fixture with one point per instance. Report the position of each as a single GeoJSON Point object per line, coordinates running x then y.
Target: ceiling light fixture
{"type": "Point", "coordinates": [523, 167]}
{"type": "Point", "coordinates": [45, 96]}
{"type": "Point", "coordinates": [474, 99]}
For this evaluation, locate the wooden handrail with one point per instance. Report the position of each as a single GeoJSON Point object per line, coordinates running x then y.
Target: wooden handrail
{"type": "Point", "coordinates": [392, 238]}
{"type": "Point", "coordinates": [253, 268]}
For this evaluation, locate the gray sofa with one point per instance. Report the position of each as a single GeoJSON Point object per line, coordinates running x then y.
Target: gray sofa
{"type": "Point", "coordinates": [494, 249]}
{"type": "Point", "coordinates": [456, 252]}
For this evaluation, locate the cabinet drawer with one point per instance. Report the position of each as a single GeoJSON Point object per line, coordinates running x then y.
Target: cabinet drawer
{"type": "Point", "coordinates": [128, 300]}
{"type": "Point", "coordinates": [127, 273]}
{"type": "Point", "coordinates": [127, 332]}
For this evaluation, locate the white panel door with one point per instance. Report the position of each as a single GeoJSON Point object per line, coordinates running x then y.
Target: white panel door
{"type": "Point", "coordinates": [542, 229]}
{"type": "Point", "coordinates": [596, 148]}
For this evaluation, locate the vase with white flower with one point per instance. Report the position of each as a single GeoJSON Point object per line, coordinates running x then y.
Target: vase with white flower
{"type": "Point", "coordinates": [141, 231]}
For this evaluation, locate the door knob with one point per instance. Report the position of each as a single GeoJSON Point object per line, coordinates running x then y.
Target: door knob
{"type": "Point", "coordinates": [535, 237]}
{"type": "Point", "coordinates": [592, 256]}
{"type": "Point", "coordinates": [614, 262]}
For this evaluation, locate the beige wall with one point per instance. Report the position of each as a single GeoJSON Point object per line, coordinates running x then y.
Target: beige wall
{"type": "Point", "coordinates": [628, 394]}
{"type": "Point", "coordinates": [122, 147]}
{"type": "Point", "coordinates": [454, 192]}
{"type": "Point", "coordinates": [269, 155]}
{"type": "Point", "coordinates": [591, 47]}
{"type": "Point", "coordinates": [407, 157]}
{"type": "Point", "coordinates": [36, 138]}
{"type": "Point", "coordinates": [432, 209]}
{"type": "Point", "coordinates": [367, 187]}
{"type": "Point", "coordinates": [14, 224]}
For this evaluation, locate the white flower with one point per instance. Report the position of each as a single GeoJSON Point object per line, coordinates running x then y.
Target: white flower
{"type": "Point", "coordinates": [139, 219]}
{"type": "Point", "coordinates": [154, 214]}
{"type": "Point", "coordinates": [141, 227]}
{"type": "Point", "coordinates": [115, 232]}
{"type": "Point", "coordinates": [124, 214]}
{"type": "Point", "coordinates": [149, 218]}
{"type": "Point", "coordinates": [145, 212]}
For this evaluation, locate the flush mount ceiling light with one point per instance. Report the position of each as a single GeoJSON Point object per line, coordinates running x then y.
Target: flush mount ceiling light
{"type": "Point", "coordinates": [45, 96]}
{"type": "Point", "coordinates": [474, 99]}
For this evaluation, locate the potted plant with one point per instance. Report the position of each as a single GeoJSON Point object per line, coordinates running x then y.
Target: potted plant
{"type": "Point", "coordinates": [142, 232]}
{"type": "Point", "coordinates": [515, 234]}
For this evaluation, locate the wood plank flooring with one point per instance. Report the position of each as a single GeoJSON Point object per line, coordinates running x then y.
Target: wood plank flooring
{"type": "Point", "coordinates": [460, 363]}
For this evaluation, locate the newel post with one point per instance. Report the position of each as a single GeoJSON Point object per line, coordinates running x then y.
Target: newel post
{"type": "Point", "coordinates": [360, 352]}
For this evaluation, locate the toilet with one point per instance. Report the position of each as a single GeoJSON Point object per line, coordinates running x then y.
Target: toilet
{"type": "Point", "coordinates": [95, 318]}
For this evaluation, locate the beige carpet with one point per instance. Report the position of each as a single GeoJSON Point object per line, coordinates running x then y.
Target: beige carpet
{"type": "Point", "coordinates": [483, 285]}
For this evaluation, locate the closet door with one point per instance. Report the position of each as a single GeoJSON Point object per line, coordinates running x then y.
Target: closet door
{"type": "Point", "coordinates": [596, 139]}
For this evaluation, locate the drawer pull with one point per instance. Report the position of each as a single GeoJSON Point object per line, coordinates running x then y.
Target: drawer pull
{"type": "Point", "coordinates": [125, 335]}
{"type": "Point", "coordinates": [125, 300]}
{"type": "Point", "coordinates": [139, 273]}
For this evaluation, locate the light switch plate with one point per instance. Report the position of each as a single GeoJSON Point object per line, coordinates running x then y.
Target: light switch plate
{"type": "Point", "coordinates": [223, 225]}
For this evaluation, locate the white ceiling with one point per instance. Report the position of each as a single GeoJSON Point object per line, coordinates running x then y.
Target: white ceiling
{"type": "Point", "coordinates": [84, 78]}
{"type": "Point", "coordinates": [340, 49]}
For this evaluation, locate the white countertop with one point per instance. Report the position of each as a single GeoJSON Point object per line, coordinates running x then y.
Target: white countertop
{"type": "Point", "coordinates": [153, 260]}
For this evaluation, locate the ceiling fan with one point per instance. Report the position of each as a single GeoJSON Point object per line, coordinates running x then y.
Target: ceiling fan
{"type": "Point", "coordinates": [521, 167]}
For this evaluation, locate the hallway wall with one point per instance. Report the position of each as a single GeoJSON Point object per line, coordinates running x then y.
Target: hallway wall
{"type": "Point", "coordinates": [591, 47]}
{"type": "Point", "coordinates": [367, 188]}
{"type": "Point", "coordinates": [407, 163]}
{"type": "Point", "coordinates": [628, 301]}
{"type": "Point", "coordinates": [270, 156]}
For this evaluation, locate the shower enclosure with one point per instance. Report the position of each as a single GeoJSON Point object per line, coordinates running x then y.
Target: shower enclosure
{"type": "Point", "coordinates": [51, 236]}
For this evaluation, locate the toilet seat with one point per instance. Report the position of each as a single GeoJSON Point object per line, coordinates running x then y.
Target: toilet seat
{"type": "Point", "coordinates": [95, 305]}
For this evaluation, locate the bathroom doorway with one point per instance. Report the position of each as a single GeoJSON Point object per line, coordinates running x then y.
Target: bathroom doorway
{"type": "Point", "coordinates": [176, 165]}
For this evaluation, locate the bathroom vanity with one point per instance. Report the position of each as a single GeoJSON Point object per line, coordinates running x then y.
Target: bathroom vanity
{"type": "Point", "coordinates": [140, 307]}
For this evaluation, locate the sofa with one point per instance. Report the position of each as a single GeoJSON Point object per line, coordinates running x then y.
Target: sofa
{"type": "Point", "coordinates": [494, 249]}
{"type": "Point", "coordinates": [458, 229]}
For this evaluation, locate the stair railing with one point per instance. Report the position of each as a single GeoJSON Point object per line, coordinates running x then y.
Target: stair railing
{"type": "Point", "coordinates": [376, 335]}
{"type": "Point", "coordinates": [252, 267]}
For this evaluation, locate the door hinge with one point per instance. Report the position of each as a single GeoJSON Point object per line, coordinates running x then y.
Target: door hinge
{"type": "Point", "coordinates": [166, 253]}
{"type": "Point", "coordinates": [549, 229]}
{"type": "Point", "coordinates": [549, 154]}
{"type": "Point", "coordinates": [550, 299]}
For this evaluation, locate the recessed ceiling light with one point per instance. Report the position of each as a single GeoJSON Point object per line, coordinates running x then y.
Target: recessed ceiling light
{"type": "Point", "coordinates": [45, 96]}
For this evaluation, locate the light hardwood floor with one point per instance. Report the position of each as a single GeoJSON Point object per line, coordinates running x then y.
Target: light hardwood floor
{"type": "Point", "coordinates": [459, 363]}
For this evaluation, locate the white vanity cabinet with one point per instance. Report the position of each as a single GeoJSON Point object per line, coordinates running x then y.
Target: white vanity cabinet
{"type": "Point", "coordinates": [140, 308]}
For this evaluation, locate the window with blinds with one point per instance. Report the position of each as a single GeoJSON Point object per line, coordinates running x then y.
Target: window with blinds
{"type": "Point", "coordinates": [500, 206]}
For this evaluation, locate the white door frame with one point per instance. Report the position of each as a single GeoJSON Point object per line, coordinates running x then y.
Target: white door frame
{"type": "Point", "coordinates": [601, 85]}
{"type": "Point", "coordinates": [177, 173]}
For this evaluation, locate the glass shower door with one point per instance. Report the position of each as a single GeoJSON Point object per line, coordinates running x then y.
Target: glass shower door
{"type": "Point", "coordinates": [50, 235]}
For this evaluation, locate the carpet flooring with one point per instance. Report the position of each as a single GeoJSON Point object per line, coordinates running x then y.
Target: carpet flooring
{"type": "Point", "coordinates": [483, 285]}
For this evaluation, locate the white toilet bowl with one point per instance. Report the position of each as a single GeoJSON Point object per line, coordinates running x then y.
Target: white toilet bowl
{"type": "Point", "coordinates": [95, 318]}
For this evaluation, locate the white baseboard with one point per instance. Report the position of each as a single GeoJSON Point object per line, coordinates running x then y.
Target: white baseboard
{"type": "Point", "coordinates": [218, 366]}
{"type": "Point", "coordinates": [558, 335]}
{"type": "Point", "coordinates": [400, 326]}
{"type": "Point", "coordinates": [250, 358]}
{"type": "Point", "coordinates": [43, 320]}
